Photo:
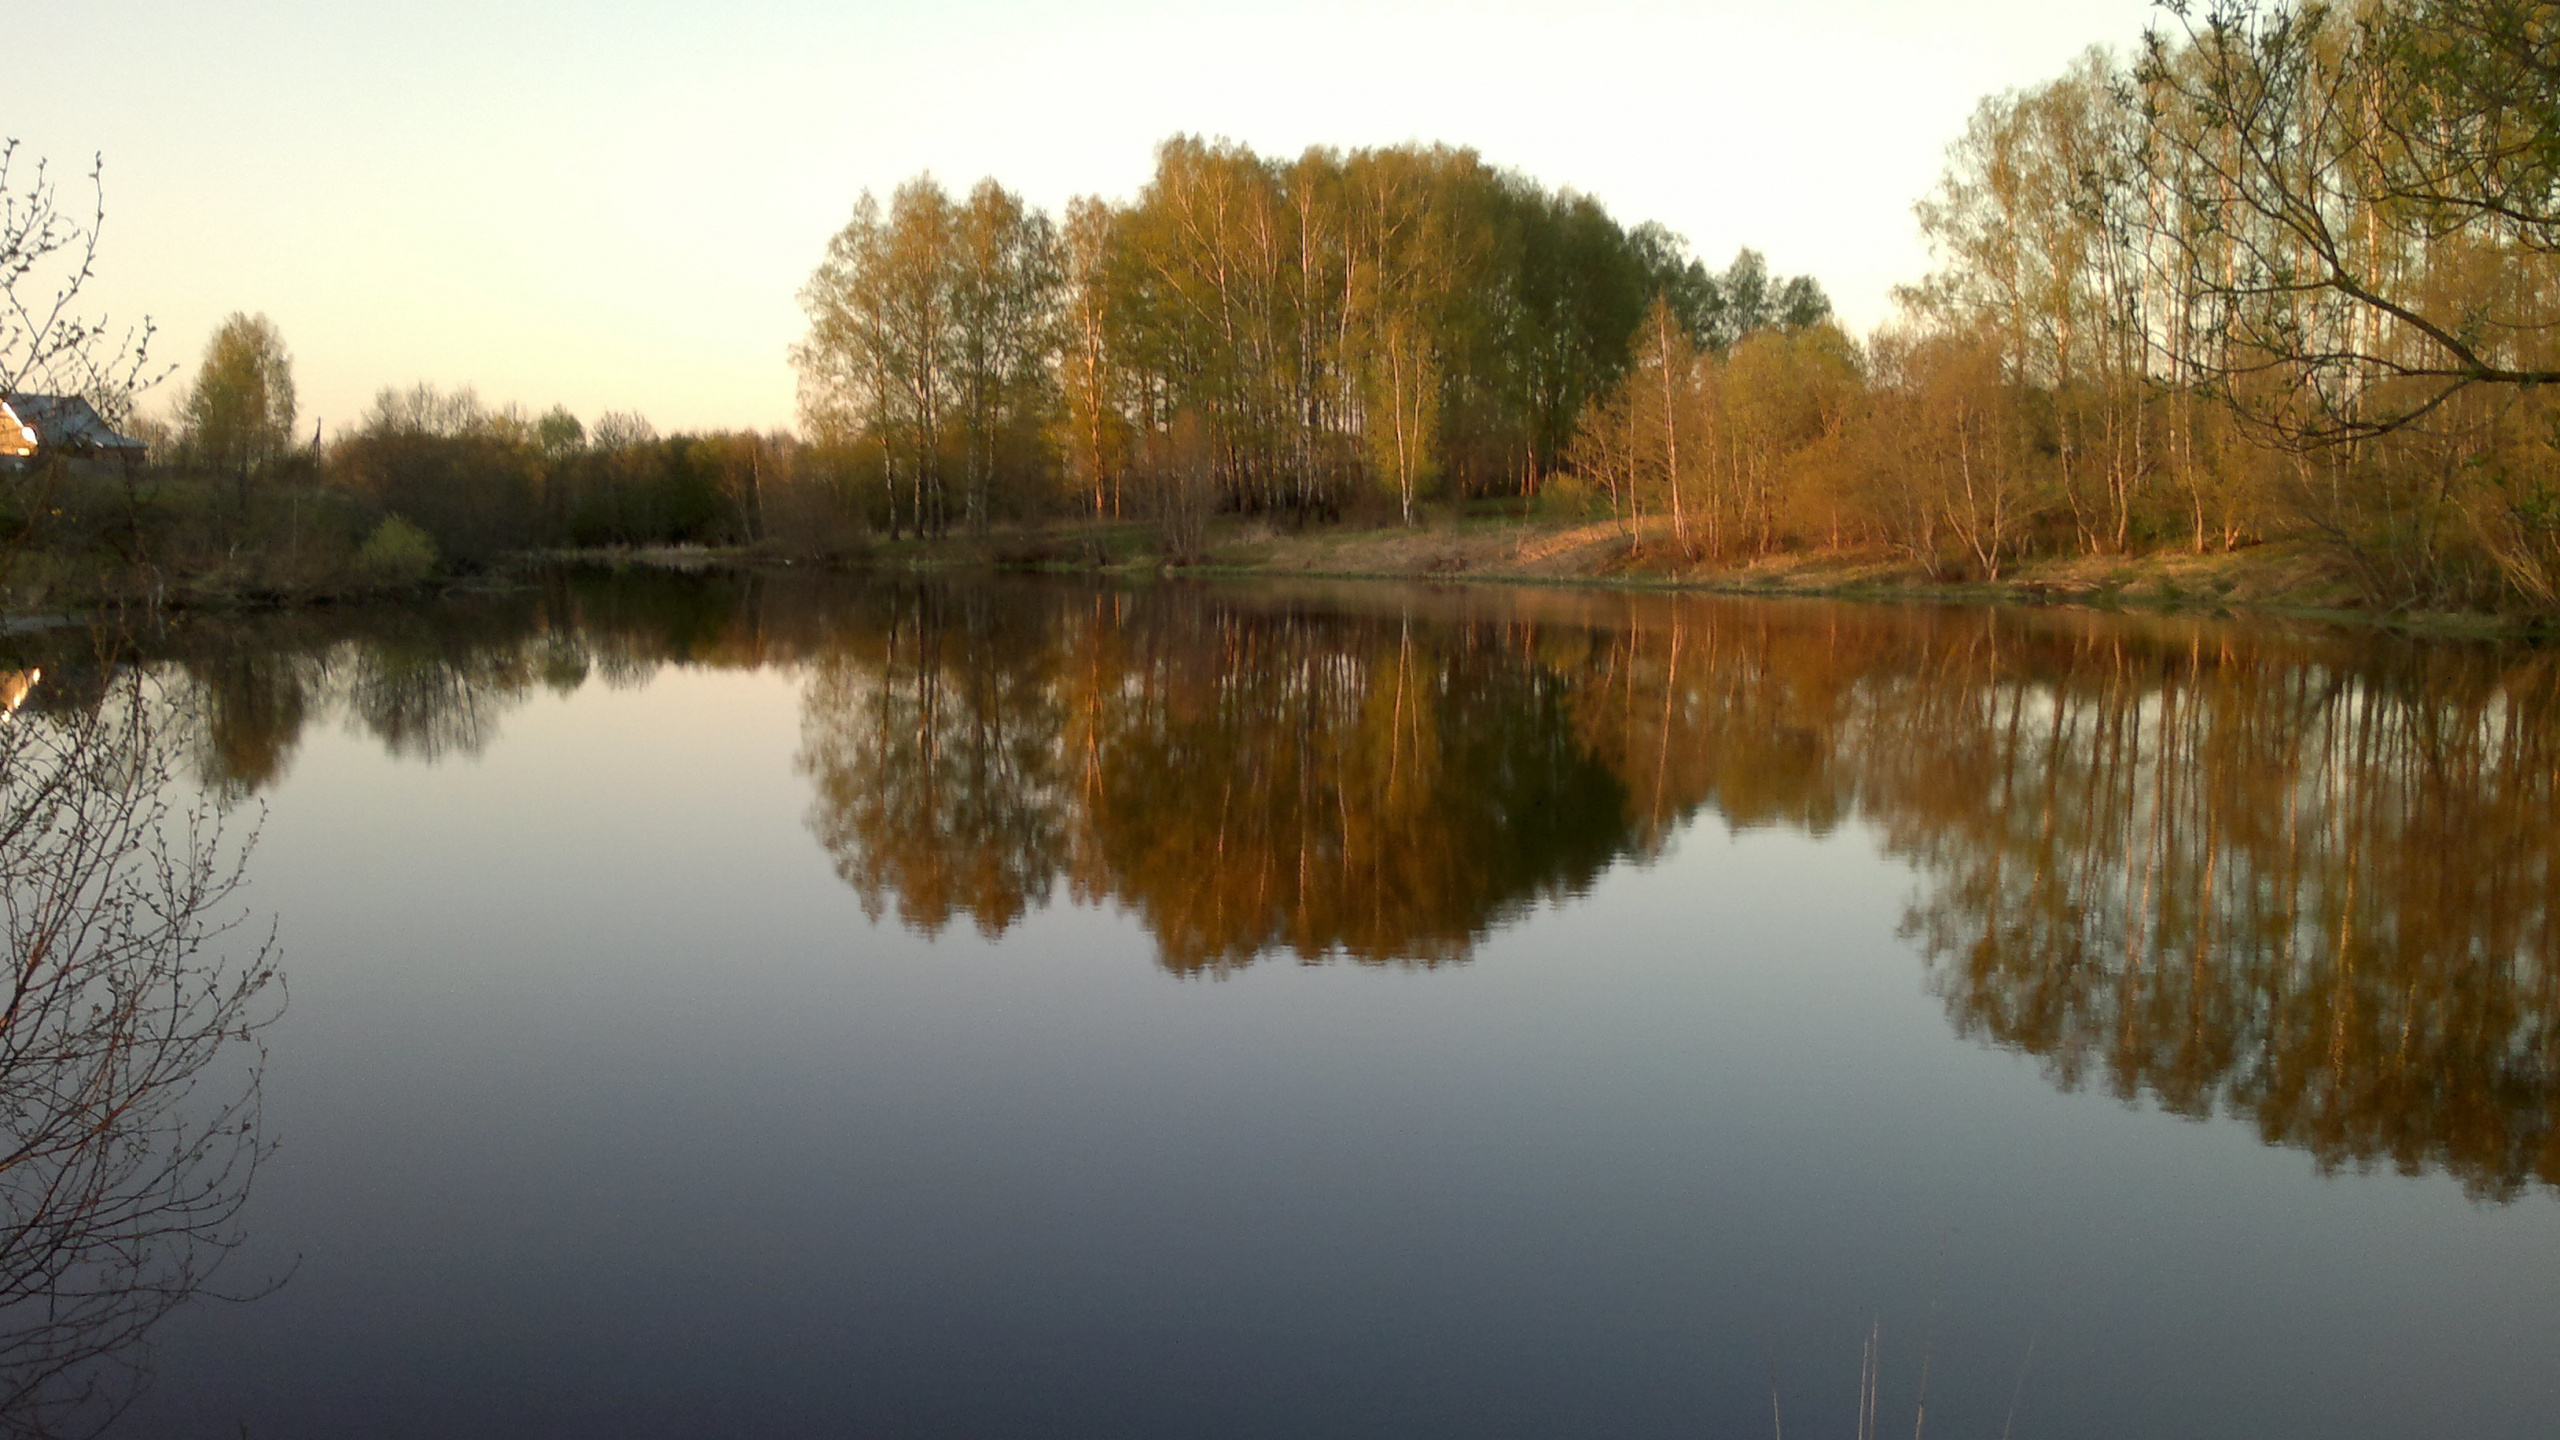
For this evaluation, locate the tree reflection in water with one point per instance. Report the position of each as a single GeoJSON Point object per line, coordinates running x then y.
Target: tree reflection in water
{"type": "Point", "coordinates": [2300, 876]}
{"type": "Point", "coordinates": [2303, 879]}
{"type": "Point", "coordinates": [1245, 781]}
{"type": "Point", "coordinates": [2319, 899]}
{"type": "Point", "coordinates": [129, 1057]}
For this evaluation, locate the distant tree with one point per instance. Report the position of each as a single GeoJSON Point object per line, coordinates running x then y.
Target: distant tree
{"type": "Point", "coordinates": [1746, 299]}
{"type": "Point", "coordinates": [422, 409]}
{"type": "Point", "coordinates": [471, 478]}
{"type": "Point", "coordinates": [1178, 468]}
{"type": "Point", "coordinates": [397, 554]}
{"type": "Point", "coordinates": [559, 434]}
{"type": "Point", "coordinates": [1403, 384]}
{"type": "Point", "coordinates": [625, 487]}
{"type": "Point", "coordinates": [1949, 419]}
{"type": "Point", "coordinates": [624, 430]}
{"type": "Point", "coordinates": [239, 414]}
{"type": "Point", "coordinates": [1695, 298]}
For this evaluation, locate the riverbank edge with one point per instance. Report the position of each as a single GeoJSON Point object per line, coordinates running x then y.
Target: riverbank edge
{"type": "Point", "coordinates": [2278, 581]}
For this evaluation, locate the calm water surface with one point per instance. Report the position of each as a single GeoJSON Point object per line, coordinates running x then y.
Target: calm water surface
{"type": "Point", "coordinates": [801, 1008]}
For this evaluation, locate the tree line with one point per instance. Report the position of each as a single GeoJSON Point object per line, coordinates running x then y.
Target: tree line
{"type": "Point", "coordinates": [2292, 270]}
{"type": "Point", "coordinates": [486, 480]}
{"type": "Point", "coordinates": [1248, 334]}
{"type": "Point", "coordinates": [1345, 331]}
{"type": "Point", "coordinates": [2287, 272]}
{"type": "Point", "coordinates": [427, 478]}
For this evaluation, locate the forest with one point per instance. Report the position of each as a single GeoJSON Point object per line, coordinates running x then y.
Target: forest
{"type": "Point", "coordinates": [2287, 273]}
{"type": "Point", "coordinates": [1248, 335]}
{"type": "Point", "coordinates": [2284, 276]}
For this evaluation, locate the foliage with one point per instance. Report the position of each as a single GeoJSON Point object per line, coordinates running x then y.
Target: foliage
{"type": "Point", "coordinates": [239, 412]}
{"type": "Point", "coordinates": [2291, 271]}
{"type": "Point", "coordinates": [1731, 450]}
{"type": "Point", "coordinates": [482, 483]}
{"type": "Point", "coordinates": [930, 332]}
{"type": "Point", "coordinates": [1404, 321]}
{"type": "Point", "coordinates": [2288, 272]}
{"type": "Point", "coordinates": [2366, 199]}
{"type": "Point", "coordinates": [397, 554]}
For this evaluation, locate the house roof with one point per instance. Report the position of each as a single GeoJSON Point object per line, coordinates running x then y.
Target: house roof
{"type": "Point", "coordinates": [68, 422]}
{"type": "Point", "coordinates": [17, 438]}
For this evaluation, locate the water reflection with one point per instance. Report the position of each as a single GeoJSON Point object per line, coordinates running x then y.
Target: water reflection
{"type": "Point", "coordinates": [2295, 878]}
{"type": "Point", "coordinates": [1246, 780]}
{"type": "Point", "coordinates": [2319, 899]}
{"type": "Point", "coordinates": [128, 1056]}
{"type": "Point", "coordinates": [2287, 874]}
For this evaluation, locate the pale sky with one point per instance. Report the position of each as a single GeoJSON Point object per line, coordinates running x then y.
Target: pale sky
{"type": "Point", "coordinates": [613, 206]}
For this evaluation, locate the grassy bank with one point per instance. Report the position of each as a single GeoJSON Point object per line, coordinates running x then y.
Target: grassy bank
{"type": "Point", "coordinates": [2289, 578]}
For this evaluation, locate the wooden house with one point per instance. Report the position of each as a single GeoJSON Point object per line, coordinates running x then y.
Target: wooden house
{"type": "Point", "coordinates": [69, 426]}
{"type": "Point", "coordinates": [17, 437]}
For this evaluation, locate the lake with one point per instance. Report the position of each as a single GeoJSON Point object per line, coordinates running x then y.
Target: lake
{"type": "Point", "coordinates": [802, 1005]}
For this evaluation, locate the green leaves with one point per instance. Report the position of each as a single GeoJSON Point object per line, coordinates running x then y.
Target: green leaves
{"type": "Point", "coordinates": [239, 413]}
{"type": "Point", "coordinates": [1396, 319]}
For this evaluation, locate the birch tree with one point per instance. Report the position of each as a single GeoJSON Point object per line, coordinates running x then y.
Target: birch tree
{"type": "Point", "coordinates": [239, 413]}
{"type": "Point", "coordinates": [1090, 369]}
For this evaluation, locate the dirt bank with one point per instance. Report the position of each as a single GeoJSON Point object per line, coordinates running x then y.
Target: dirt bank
{"type": "Point", "coordinates": [2288, 577]}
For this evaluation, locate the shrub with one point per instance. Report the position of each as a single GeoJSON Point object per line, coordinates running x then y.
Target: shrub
{"type": "Point", "coordinates": [397, 554]}
{"type": "Point", "coordinates": [1565, 496]}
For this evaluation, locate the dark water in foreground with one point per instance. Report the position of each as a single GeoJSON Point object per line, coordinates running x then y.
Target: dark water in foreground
{"type": "Point", "coordinates": [1022, 1009]}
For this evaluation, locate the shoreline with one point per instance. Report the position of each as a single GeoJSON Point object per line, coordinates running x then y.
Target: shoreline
{"type": "Point", "coordinates": [2279, 580]}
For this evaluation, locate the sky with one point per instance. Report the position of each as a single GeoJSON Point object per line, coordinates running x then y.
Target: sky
{"type": "Point", "coordinates": [613, 206]}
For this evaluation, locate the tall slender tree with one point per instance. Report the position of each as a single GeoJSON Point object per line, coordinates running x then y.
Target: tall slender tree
{"type": "Point", "coordinates": [239, 413]}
